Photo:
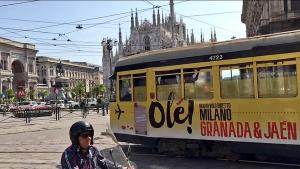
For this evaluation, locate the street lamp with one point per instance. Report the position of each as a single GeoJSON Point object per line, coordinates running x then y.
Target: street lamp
{"type": "Point", "coordinates": [109, 43]}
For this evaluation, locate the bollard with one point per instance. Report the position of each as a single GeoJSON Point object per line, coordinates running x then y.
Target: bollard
{"type": "Point", "coordinates": [29, 114]}
{"type": "Point", "coordinates": [103, 111]}
{"type": "Point", "coordinates": [57, 113]}
{"type": "Point", "coordinates": [106, 108]}
{"type": "Point", "coordinates": [25, 116]}
{"type": "Point", "coordinates": [83, 112]}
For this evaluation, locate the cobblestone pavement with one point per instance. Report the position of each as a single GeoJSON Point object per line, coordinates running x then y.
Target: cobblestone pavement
{"type": "Point", "coordinates": [40, 145]}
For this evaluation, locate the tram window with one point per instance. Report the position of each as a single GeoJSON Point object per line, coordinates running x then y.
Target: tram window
{"type": "Point", "coordinates": [198, 84]}
{"type": "Point", "coordinates": [125, 88]}
{"type": "Point", "coordinates": [237, 81]}
{"type": "Point", "coordinates": [139, 88]}
{"type": "Point", "coordinates": [167, 82]}
{"type": "Point", "coordinates": [277, 81]}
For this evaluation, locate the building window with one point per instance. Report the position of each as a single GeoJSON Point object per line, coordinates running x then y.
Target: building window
{"type": "Point", "coordinates": [5, 65]}
{"type": "Point", "coordinates": [30, 68]}
{"type": "Point", "coordinates": [237, 81]}
{"type": "Point", "coordinates": [147, 42]}
{"type": "Point", "coordinates": [285, 4]}
{"type": "Point", "coordinates": [51, 71]}
{"type": "Point", "coordinates": [295, 5]}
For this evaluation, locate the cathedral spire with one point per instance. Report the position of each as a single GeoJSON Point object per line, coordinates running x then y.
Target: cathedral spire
{"type": "Point", "coordinates": [211, 35]}
{"type": "Point", "coordinates": [153, 17]}
{"type": "Point", "coordinates": [166, 22]}
{"type": "Point", "coordinates": [201, 37]}
{"type": "Point", "coordinates": [172, 17]}
{"type": "Point", "coordinates": [192, 38]}
{"type": "Point", "coordinates": [136, 19]}
{"type": "Point", "coordinates": [132, 21]}
{"type": "Point", "coordinates": [187, 37]}
{"type": "Point", "coordinates": [120, 41]}
{"type": "Point", "coordinates": [215, 35]}
{"type": "Point", "coordinates": [162, 16]}
{"type": "Point", "coordinates": [158, 18]}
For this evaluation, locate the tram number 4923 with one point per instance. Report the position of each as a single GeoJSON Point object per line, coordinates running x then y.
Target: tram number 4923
{"type": "Point", "coordinates": [216, 57]}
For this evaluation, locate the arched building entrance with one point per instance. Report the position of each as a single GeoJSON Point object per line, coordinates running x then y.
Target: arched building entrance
{"type": "Point", "coordinates": [18, 75]}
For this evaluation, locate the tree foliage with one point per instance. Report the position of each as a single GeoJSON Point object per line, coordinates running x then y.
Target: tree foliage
{"type": "Point", "coordinates": [78, 90]}
{"type": "Point", "coordinates": [10, 93]}
{"type": "Point", "coordinates": [43, 94]}
{"type": "Point", "coordinates": [98, 90]}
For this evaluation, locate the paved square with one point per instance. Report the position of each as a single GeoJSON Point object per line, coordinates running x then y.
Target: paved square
{"type": "Point", "coordinates": [41, 143]}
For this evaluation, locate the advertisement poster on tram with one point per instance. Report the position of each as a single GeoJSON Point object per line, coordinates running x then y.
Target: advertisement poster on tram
{"type": "Point", "coordinates": [219, 121]}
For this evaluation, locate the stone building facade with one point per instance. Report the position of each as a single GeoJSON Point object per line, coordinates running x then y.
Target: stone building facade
{"type": "Point", "coordinates": [74, 72]}
{"type": "Point", "coordinates": [270, 16]}
{"type": "Point", "coordinates": [18, 66]}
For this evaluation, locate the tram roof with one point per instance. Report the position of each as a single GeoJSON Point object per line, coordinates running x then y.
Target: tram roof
{"type": "Point", "coordinates": [243, 44]}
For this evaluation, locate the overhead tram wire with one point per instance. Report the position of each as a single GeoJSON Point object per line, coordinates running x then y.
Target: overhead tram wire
{"type": "Point", "coordinates": [45, 32]}
{"type": "Point", "coordinates": [79, 21]}
{"type": "Point", "coordinates": [94, 18]}
{"type": "Point", "coordinates": [225, 29]}
{"type": "Point", "coordinates": [17, 3]}
{"type": "Point", "coordinates": [64, 45]}
{"type": "Point", "coordinates": [33, 39]}
{"type": "Point", "coordinates": [95, 25]}
{"type": "Point", "coordinates": [217, 13]}
{"type": "Point", "coordinates": [143, 10]}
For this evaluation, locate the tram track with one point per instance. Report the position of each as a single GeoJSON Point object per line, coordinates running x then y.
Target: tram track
{"type": "Point", "coordinates": [147, 152]}
{"type": "Point", "coordinates": [220, 159]}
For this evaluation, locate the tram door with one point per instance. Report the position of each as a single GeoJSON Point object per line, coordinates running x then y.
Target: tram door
{"type": "Point", "coordinates": [139, 103]}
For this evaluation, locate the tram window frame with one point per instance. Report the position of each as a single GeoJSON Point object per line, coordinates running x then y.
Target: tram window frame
{"type": "Point", "coordinates": [128, 95]}
{"type": "Point", "coordinates": [144, 84]}
{"type": "Point", "coordinates": [240, 81]}
{"type": "Point", "coordinates": [166, 81]}
{"type": "Point", "coordinates": [205, 82]}
{"type": "Point", "coordinates": [274, 71]}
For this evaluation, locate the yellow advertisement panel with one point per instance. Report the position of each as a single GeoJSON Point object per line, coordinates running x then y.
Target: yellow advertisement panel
{"type": "Point", "coordinates": [247, 120]}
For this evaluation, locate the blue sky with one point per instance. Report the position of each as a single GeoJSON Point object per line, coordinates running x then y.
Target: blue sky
{"type": "Point", "coordinates": [85, 44]}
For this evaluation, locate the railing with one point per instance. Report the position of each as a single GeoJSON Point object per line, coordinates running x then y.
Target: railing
{"type": "Point", "coordinates": [28, 114]}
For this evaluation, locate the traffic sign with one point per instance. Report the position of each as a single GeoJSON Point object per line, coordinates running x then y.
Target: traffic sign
{"type": "Point", "coordinates": [21, 93]}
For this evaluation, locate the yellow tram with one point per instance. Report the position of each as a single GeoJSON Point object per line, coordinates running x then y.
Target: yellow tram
{"type": "Point", "coordinates": [242, 94]}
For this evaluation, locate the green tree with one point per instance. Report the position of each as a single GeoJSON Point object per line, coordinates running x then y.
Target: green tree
{"type": "Point", "coordinates": [10, 94]}
{"type": "Point", "coordinates": [79, 90]}
{"type": "Point", "coordinates": [98, 90]}
{"type": "Point", "coordinates": [43, 94]}
{"type": "Point", "coordinates": [31, 94]}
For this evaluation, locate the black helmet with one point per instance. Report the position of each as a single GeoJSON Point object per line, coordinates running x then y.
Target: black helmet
{"type": "Point", "coordinates": [78, 128]}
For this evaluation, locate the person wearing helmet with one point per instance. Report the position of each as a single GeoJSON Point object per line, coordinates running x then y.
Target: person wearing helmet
{"type": "Point", "coordinates": [82, 154]}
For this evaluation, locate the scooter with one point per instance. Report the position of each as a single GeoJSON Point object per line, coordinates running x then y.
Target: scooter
{"type": "Point", "coordinates": [116, 154]}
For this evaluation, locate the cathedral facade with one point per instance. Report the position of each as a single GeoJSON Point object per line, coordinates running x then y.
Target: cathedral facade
{"type": "Point", "coordinates": [163, 32]}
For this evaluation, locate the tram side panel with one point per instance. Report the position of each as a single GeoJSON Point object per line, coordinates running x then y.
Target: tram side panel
{"type": "Point", "coordinates": [255, 120]}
